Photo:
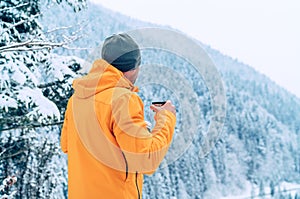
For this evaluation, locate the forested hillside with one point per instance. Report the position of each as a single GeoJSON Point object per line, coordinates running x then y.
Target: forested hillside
{"type": "Point", "coordinates": [257, 154]}
{"type": "Point", "coordinates": [34, 87]}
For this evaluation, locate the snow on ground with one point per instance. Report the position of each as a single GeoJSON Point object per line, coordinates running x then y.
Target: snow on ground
{"type": "Point", "coordinates": [249, 193]}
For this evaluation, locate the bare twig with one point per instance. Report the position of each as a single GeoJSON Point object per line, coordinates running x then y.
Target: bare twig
{"type": "Point", "coordinates": [81, 25]}
{"type": "Point", "coordinates": [27, 49]}
{"type": "Point", "coordinates": [58, 29]}
{"type": "Point", "coordinates": [2, 152]}
{"type": "Point", "coordinates": [67, 38]}
{"type": "Point", "coordinates": [30, 45]}
{"type": "Point", "coordinates": [13, 7]}
{"type": "Point", "coordinates": [68, 27]}
{"type": "Point", "coordinates": [15, 45]}
{"type": "Point", "coordinates": [75, 48]}
{"type": "Point", "coordinates": [71, 39]}
{"type": "Point", "coordinates": [36, 45]}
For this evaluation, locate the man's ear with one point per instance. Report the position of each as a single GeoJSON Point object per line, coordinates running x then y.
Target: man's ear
{"type": "Point", "coordinates": [128, 73]}
{"type": "Point", "coordinates": [131, 75]}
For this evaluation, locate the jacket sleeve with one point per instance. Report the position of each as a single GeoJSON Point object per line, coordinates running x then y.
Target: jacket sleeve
{"type": "Point", "coordinates": [64, 134]}
{"type": "Point", "coordinates": [143, 150]}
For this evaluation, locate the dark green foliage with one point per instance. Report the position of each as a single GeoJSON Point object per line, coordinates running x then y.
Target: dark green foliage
{"type": "Point", "coordinates": [30, 101]}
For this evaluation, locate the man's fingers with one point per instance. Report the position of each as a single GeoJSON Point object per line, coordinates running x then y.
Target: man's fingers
{"type": "Point", "coordinates": [167, 106]}
{"type": "Point", "coordinates": [154, 108]}
{"type": "Point", "coordinates": [167, 102]}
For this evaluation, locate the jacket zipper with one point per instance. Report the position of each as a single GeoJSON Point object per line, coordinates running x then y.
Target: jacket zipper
{"type": "Point", "coordinates": [137, 186]}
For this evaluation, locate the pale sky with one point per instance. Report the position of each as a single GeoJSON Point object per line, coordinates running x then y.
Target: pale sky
{"type": "Point", "coordinates": [262, 33]}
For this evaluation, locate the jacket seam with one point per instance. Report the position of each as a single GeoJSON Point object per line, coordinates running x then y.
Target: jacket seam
{"type": "Point", "coordinates": [137, 186]}
{"type": "Point", "coordinates": [126, 165]}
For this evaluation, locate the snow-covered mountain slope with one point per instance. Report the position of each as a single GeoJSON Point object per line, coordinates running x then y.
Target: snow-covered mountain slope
{"type": "Point", "coordinates": [259, 144]}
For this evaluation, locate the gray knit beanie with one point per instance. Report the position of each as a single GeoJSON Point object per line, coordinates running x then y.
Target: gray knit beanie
{"type": "Point", "coordinates": [121, 51]}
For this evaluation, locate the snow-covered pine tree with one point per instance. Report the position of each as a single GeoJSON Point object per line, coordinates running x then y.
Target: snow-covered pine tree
{"type": "Point", "coordinates": [34, 87]}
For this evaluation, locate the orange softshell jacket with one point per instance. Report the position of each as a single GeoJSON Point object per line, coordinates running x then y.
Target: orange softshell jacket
{"type": "Point", "coordinates": [106, 138]}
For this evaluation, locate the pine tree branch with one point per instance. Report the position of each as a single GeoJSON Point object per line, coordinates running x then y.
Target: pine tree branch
{"type": "Point", "coordinates": [14, 154]}
{"type": "Point", "coordinates": [52, 83]}
{"type": "Point", "coordinates": [32, 126]}
{"type": "Point", "coordinates": [14, 149]}
{"type": "Point", "coordinates": [19, 23]}
{"type": "Point", "coordinates": [13, 7]}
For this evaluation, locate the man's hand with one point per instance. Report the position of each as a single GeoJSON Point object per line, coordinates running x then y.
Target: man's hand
{"type": "Point", "coordinates": [167, 106]}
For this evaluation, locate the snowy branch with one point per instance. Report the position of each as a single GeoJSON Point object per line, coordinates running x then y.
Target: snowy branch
{"type": "Point", "coordinates": [34, 45]}
{"type": "Point", "coordinates": [19, 23]}
{"type": "Point", "coordinates": [52, 83]}
{"type": "Point", "coordinates": [29, 44]}
{"type": "Point", "coordinates": [2, 152]}
{"type": "Point", "coordinates": [13, 7]}
{"type": "Point", "coordinates": [36, 125]}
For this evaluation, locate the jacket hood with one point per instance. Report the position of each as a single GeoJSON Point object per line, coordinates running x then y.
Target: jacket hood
{"type": "Point", "coordinates": [102, 76]}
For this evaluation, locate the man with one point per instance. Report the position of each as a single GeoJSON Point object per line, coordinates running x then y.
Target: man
{"type": "Point", "coordinates": [104, 134]}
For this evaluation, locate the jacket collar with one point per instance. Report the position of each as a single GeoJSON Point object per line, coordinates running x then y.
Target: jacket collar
{"type": "Point", "coordinates": [102, 76]}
